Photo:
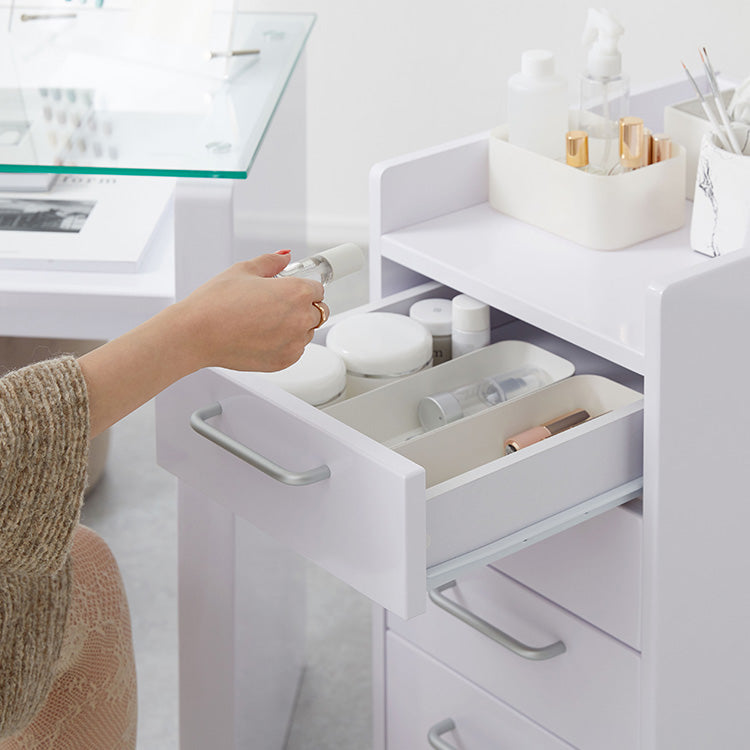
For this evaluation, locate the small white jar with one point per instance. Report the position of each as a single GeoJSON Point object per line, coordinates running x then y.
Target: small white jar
{"type": "Point", "coordinates": [318, 376]}
{"type": "Point", "coordinates": [471, 324]}
{"type": "Point", "coordinates": [379, 347]}
{"type": "Point", "coordinates": [435, 315]}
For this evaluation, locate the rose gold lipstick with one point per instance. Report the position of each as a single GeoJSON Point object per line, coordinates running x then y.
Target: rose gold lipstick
{"type": "Point", "coordinates": [543, 431]}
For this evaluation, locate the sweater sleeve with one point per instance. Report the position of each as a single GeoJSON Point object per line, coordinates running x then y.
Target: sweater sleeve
{"type": "Point", "coordinates": [44, 432]}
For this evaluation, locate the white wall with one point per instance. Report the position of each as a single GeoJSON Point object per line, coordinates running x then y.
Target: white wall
{"type": "Point", "coordinates": [386, 77]}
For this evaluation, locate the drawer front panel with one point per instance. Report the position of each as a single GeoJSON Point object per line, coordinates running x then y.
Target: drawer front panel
{"type": "Point", "coordinates": [593, 570]}
{"type": "Point", "coordinates": [365, 524]}
{"type": "Point", "coordinates": [587, 695]}
{"type": "Point", "coordinates": [421, 692]}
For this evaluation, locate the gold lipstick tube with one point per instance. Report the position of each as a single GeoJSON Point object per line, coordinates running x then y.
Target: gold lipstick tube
{"type": "Point", "coordinates": [662, 148]}
{"type": "Point", "coordinates": [543, 431]}
{"type": "Point", "coordinates": [631, 143]}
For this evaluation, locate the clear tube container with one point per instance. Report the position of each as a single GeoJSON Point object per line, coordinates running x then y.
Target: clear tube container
{"type": "Point", "coordinates": [328, 265]}
{"type": "Point", "coordinates": [443, 408]}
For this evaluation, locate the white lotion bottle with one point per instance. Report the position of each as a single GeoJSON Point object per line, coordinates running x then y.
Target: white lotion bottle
{"type": "Point", "coordinates": [470, 326]}
{"type": "Point", "coordinates": [538, 105]}
{"type": "Point", "coordinates": [328, 265]}
{"type": "Point", "coordinates": [604, 89]}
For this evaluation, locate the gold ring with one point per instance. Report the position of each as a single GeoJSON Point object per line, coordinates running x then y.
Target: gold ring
{"type": "Point", "coordinates": [323, 313]}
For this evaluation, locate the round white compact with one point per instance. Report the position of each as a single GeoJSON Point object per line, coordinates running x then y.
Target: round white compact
{"type": "Point", "coordinates": [378, 347]}
{"type": "Point", "coordinates": [318, 376]}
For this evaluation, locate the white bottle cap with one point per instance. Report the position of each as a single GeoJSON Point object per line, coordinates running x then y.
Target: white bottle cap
{"type": "Point", "coordinates": [537, 63]}
{"type": "Point", "coordinates": [469, 314]}
{"type": "Point", "coordinates": [439, 409]}
{"type": "Point", "coordinates": [317, 377]}
{"type": "Point", "coordinates": [344, 259]}
{"type": "Point", "coordinates": [381, 344]}
{"type": "Point", "coordinates": [434, 314]}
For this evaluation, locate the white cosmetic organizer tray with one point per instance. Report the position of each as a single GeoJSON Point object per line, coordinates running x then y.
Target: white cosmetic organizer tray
{"type": "Point", "coordinates": [389, 413]}
{"type": "Point", "coordinates": [601, 212]}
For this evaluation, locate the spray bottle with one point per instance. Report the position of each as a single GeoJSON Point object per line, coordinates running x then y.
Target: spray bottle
{"type": "Point", "coordinates": [605, 90]}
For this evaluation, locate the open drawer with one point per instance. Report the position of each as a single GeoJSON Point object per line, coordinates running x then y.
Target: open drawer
{"type": "Point", "coordinates": [387, 520]}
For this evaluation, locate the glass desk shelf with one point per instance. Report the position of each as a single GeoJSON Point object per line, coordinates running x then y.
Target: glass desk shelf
{"type": "Point", "coordinates": [94, 94]}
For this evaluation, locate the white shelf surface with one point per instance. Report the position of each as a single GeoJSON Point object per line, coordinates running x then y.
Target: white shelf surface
{"type": "Point", "coordinates": [89, 305]}
{"type": "Point", "coordinates": [594, 299]}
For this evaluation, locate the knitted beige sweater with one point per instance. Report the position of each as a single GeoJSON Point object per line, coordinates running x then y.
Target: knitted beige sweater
{"type": "Point", "coordinates": [44, 431]}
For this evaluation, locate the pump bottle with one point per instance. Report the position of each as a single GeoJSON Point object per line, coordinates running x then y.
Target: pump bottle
{"type": "Point", "coordinates": [439, 409]}
{"type": "Point", "coordinates": [604, 89]}
{"type": "Point", "coordinates": [328, 265]}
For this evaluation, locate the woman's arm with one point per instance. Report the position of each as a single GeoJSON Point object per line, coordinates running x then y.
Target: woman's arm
{"type": "Point", "coordinates": [242, 319]}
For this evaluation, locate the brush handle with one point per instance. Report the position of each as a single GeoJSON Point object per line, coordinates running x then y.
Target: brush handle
{"type": "Point", "coordinates": [715, 125]}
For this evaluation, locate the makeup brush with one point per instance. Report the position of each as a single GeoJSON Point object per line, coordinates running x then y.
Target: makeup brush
{"type": "Point", "coordinates": [719, 101]}
{"type": "Point", "coordinates": [709, 112]}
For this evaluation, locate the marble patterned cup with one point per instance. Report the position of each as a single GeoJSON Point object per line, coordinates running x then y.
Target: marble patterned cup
{"type": "Point", "coordinates": [721, 205]}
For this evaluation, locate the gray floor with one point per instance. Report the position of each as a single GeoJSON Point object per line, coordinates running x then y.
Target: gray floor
{"type": "Point", "coordinates": [134, 508]}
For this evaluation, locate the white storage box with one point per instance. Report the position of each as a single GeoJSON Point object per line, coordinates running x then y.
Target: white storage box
{"type": "Point", "coordinates": [598, 211]}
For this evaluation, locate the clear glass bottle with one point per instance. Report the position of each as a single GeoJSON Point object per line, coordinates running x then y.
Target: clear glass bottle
{"type": "Point", "coordinates": [633, 144]}
{"type": "Point", "coordinates": [604, 88]}
{"type": "Point", "coordinates": [449, 406]}
{"type": "Point", "coordinates": [329, 265]}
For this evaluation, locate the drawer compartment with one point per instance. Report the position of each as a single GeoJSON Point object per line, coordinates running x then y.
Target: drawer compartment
{"type": "Point", "coordinates": [588, 694]}
{"type": "Point", "coordinates": [378, 519]}
{"type": "Point", "coordinates": [421, 693]}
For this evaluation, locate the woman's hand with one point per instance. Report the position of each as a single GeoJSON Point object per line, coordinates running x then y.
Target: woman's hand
{"type": "Point", "coordinates": [242, 319]}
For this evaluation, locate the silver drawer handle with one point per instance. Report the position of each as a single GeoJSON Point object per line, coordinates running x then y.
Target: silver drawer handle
{"type": "Point", "coordinates": [434, 735]}
{"type": "Point", "coordinates": [497, 635]}
{"type": "Point", "coordinates": [279, 473]}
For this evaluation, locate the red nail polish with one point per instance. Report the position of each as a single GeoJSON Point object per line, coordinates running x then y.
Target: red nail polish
{"type": "Point", "coordinates": [283, 252]}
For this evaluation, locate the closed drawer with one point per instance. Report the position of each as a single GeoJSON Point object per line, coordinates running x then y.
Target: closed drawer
{"type": "Point", "coordinates": [593, 570]}
{"type": "Point", "coordinates": [422, 695]}
{"type": "Point", "coordinates": [588, 694]}
{"type": "Point", "coordinates": [378, 519]}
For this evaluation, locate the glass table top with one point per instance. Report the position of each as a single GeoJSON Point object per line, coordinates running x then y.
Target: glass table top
{"type": "Point", "coordinates": [108, 92]}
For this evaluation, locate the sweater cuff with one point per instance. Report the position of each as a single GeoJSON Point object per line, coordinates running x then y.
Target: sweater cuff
{"type": "Point", "coordinates": [44, 433]}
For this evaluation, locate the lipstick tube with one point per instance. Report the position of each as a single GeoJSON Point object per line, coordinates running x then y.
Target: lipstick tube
{"type": "Point", "coordinates": [543, 431]}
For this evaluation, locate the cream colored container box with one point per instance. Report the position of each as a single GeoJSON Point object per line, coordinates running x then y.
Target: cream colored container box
{"type": "Point", "coordinates": [598, 211]}
{"type": "Point", "coordinates": [686, 123]}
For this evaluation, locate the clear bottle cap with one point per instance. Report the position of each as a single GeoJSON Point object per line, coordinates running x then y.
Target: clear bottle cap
{"type": "Point", "coordinates": [344, 259]}
{"type": "Point", "coordinates": [469, 314]}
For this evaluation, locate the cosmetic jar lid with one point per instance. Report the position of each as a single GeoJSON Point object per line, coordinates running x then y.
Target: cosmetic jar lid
{"type": "Point", "coordinates": [381, 344]}
{"type": "Point", "coordinates": [344, 259]}
{"type": "Point", "coordinates": [435, 314]}
{"type": "Point", "coordinates": [317, 377]}
{"type": "Point", "coordinates": [439, 409]}
{"type": "Point", "coordinates": [469, 314]}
